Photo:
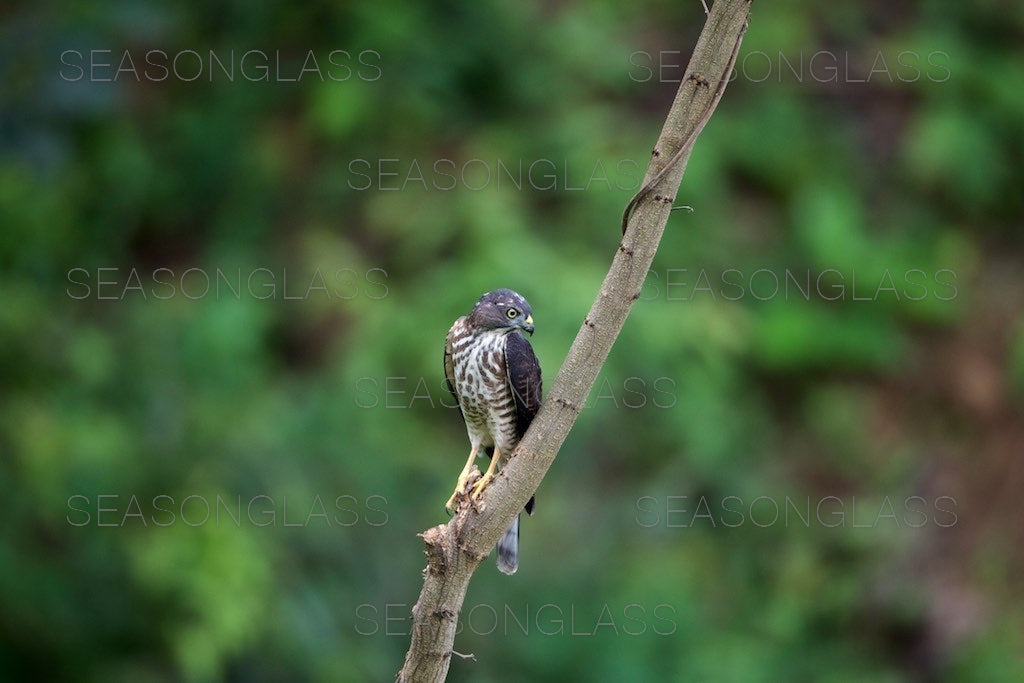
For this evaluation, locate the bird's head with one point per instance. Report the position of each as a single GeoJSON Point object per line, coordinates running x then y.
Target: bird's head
{"type": "Point", "coordinates": [502, 310]}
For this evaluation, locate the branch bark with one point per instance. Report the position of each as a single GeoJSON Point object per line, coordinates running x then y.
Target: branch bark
{"type": "Point", "coordinates": [454, 550]}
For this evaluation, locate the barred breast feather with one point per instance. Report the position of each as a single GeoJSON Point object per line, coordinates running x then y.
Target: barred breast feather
{"type": "Point", "coordinates": [478, 376]}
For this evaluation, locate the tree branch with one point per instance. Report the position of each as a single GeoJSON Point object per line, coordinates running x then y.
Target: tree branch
{"type": "Point", "coordinates": [456, 549]}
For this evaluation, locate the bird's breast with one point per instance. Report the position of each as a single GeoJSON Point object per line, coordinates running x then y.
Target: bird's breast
{"type": "Point", "coordinates": [481, 381]}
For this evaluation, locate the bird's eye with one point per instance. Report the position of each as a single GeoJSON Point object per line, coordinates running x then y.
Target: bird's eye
{"type": "Point", "coordinates": [512, 313]}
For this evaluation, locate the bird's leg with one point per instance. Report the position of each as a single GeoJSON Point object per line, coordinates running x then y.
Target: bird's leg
{"type": "Point", "coordinates": [488, 475]}
{"type": "Point", "coordinates": [460, 487]}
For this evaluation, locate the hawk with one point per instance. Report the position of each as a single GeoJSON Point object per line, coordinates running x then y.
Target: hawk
{"type": "Point", "coordinates": [494, 375]}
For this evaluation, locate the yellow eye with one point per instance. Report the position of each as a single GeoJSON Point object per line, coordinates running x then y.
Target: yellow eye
{"type": "Point", "coordinates": [512, 313]}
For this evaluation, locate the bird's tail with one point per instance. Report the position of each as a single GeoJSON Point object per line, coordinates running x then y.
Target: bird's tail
{"type": "Point", "coordinates": [508, 549]}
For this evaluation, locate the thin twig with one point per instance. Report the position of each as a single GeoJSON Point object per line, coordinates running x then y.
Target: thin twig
{"type": "Point", "coordinates": [455, 550]}
{"type": "Point", "coordinates": [691, 138]}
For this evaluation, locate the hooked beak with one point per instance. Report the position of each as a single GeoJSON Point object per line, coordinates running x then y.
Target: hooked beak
{"type": "Point", "coordinates": [528, 324]}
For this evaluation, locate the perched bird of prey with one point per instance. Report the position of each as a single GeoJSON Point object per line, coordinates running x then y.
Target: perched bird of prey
{"type": "Point", "coordinates": [494, 375]}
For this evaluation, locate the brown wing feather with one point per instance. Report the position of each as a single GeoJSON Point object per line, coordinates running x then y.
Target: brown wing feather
{"type": "Point", "coordinates": [449, 362]}
{"type": "Point", "coordinates": [524, 379]}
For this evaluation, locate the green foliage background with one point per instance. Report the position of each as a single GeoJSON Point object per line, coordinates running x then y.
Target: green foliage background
{"type": "Point", "coordinates": [906, 156]}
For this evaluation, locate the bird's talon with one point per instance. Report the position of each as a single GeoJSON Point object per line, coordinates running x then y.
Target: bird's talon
{"type": "Point", "coordinates": [461, 488]}
{"type": "Point", "coordinates": [481, 485]}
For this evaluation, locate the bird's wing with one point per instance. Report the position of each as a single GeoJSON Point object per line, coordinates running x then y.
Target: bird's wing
{"type": "Point", "coordinates": [523, 371]}
{"type": "Point", "coordinates": [449, 363]}
{"type": "Point", "coordinates": [524, 379]}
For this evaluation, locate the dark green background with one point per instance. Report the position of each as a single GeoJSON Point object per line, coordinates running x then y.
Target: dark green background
{"type": "Point", "coordinates": [874, 149]}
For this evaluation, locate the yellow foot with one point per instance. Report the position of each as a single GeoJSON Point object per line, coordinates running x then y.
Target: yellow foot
{"type": "Point", "coordinates": [488, 475]}
{"type": "Point", "coordinates": [482, 484]}
{"type": "Point", "coordinates": [460, 488]}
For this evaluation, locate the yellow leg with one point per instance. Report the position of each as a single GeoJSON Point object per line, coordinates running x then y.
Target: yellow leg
{"type": "Point", "coordinates": [486, 479]}
{"type": "Point", "coordinates": [460, 487]}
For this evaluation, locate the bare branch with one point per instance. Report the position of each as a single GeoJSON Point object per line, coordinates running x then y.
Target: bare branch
{"type": "Point", "coordinates": [456, 549]}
